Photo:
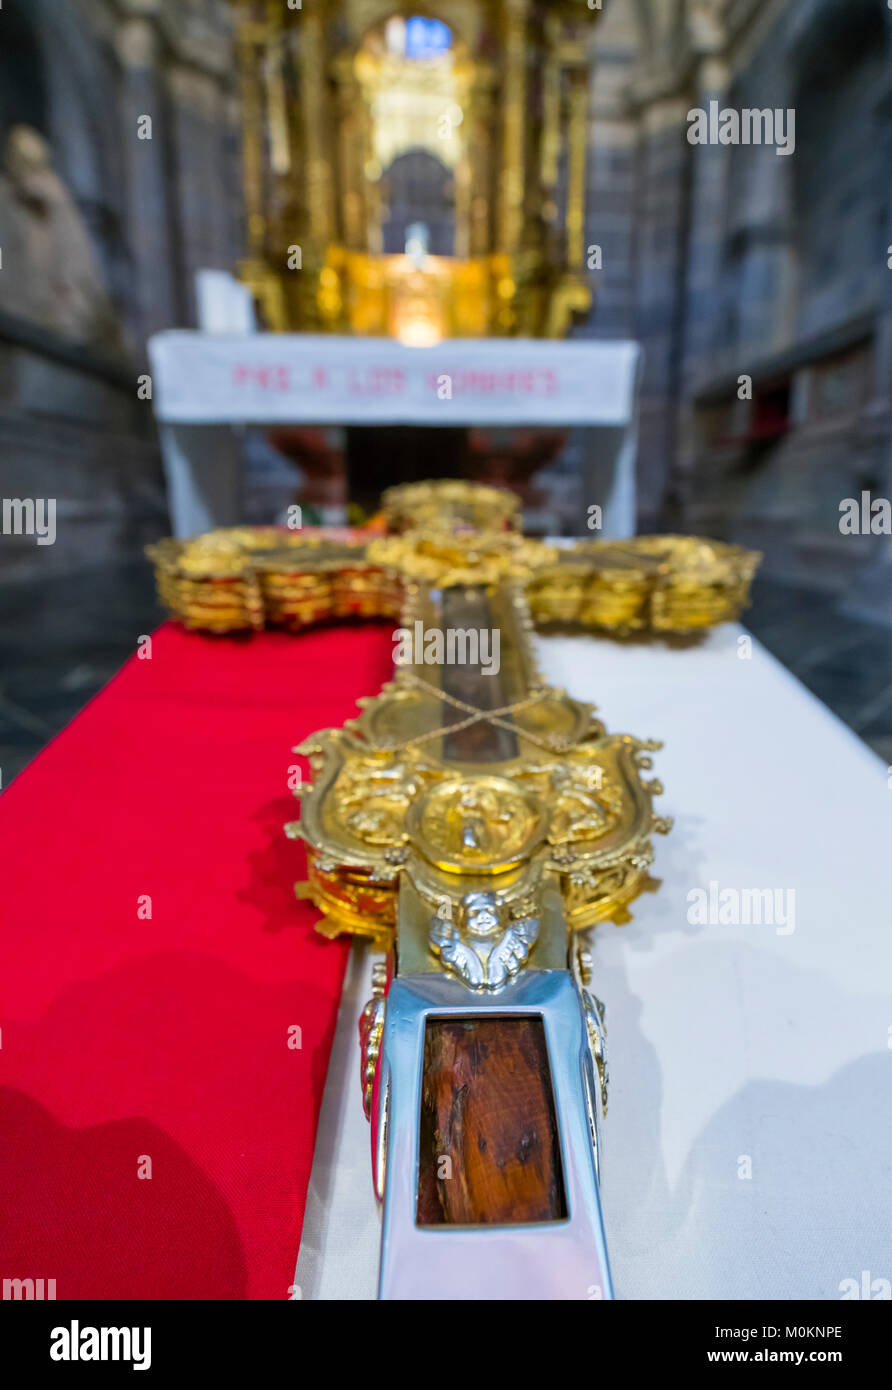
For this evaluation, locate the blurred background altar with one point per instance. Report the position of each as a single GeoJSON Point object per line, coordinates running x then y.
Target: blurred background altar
{"type": "Point", "coordinates": [484, 170]}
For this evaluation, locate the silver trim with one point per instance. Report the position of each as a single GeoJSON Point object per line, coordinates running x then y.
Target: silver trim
{"type": "Point", "coordinates": [554, 1260]}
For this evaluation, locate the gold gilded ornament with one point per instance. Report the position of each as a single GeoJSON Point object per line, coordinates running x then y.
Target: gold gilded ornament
{"type": "Point", "coordinates": [449, 505]}
{"type": "Point", "coordinates": [473, 821]}
{"type": "Point", "coordinates": [671, 584]}
{"type": "Point", "coordinates": [449, 533]}
{"type": "Point", "coordinates": [526, 788]}
{"type": "Point", "coordinates": [443, 782]}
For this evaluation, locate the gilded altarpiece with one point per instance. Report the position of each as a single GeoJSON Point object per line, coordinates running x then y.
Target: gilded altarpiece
{"type": "Point", "coordinates": [476, 116]}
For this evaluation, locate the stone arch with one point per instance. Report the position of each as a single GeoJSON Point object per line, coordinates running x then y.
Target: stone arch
{"type": "Point", "coordinates": [419, 190]}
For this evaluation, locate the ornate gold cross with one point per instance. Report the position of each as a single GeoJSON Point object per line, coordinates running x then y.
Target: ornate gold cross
{"type": "Point", "coordinates": [474, 821]}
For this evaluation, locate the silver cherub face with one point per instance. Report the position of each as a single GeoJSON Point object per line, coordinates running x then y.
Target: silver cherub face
{"type": "Point", "coordinates": [482, 916]}
{"type": "Point", "coordinates": [488, 949]}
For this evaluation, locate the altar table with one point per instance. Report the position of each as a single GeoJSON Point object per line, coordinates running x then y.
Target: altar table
{"type": "Point", "coordinates": [750, 1124]}
{"type": "Point", "coordinates": [203, 384]}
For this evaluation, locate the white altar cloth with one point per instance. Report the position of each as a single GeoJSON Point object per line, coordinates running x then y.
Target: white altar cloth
{"type": "Point", "coordinates": [210, 378]}
{"type": "Point", "coordinates": [747, 1144]}
{"type": "Point", "coordinates": [204, 383]}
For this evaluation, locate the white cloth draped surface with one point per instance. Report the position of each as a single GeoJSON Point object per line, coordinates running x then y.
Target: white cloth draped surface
{"type": "Point", "coordinates": [746, 1144]}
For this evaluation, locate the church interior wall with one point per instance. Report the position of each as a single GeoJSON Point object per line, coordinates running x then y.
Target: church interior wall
{"type": "Point", "coordinates": [779, 274]}
{"type": "Point", "coordinates": [721, 262]}
{"type": "Point", "coordinates": [147, 213]}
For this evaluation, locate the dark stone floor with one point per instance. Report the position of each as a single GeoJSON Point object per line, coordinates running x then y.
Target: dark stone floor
{"type": "Point", "coordinates": [62, 639]}
{"type": "Point", "coordinates": [845, 661]}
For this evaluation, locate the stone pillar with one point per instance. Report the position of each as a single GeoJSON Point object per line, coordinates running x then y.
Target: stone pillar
{"type": "Point", "coordinates": [235, 234]}
{"type": "Point", "coordinates": [252, 152]}
{"type": "Point", "coordinates": [149, 231]}
{"type": "Point", "coordinates": [871, 596]}
{"type": "Point", "coordinates": [763, 227]}
{"type": "Point", "coordinates": [706, 350]}
{"type": "Point", "coordinates": [767, 271]}
{"type": "Point", "coordinates": [612, 182]}
{"type": "Point", "coordinates": [199, 188]}
{"type": "Point", "coordinates": [703, 345]}
{"type": "Point", "coordinates": [881, 404]}
{"type": "Point", "coordinates": [664, 156]}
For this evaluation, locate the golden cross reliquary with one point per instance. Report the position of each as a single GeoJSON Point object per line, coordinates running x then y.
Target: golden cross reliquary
{"type": "Point", "coordinates": [474, 822]}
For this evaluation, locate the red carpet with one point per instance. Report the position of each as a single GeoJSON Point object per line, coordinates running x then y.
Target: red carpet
{"type": "Point", "coordinates": [133, 1044]}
